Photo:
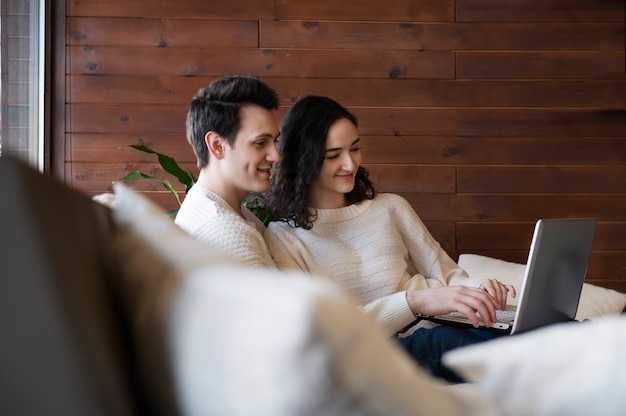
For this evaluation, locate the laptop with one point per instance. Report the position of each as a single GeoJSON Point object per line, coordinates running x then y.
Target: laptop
{"type": "Point", "coordinates": [553, 280]}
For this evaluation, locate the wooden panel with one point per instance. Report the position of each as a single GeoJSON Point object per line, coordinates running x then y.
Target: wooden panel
{"type": "Point", "coordinates": [98, 178]}
{"type": "Point", "coordinates": [387, 149]}
{"type": "Point", "coordinates": [171, 119]}
{"type": "Point", "coordinates": [135, 89]}
{"type": "Point", "coordinates": [381, 121]}
{"type": "Point", "coordinates": [90, 148]}
{"type": "Point", "coordinates": [261, 62]}
{"type": "Point", "coordinates": [164, 61]}
{"type": "Point", "coordinates": [379, 10]}
{"type": "Point", "coordinates": [366, 35]}
{"type": "Point", "coordinates": [193, 9]}
{"type": "Point", "coordinates": [539, 11]}
{"type": "Point", "coordinates": [389, 93]}
{"type": "Point", "coordinates": [163, 32]}
{"type": "Point", "coordinates": [126, 119]}
{"type": "Point", "coordinates": [517, 236]}
{"type": "Point", "coordinates": [484, 114]}
{"type": "Point", "coordinates": [363, 92]}
{"type": "Point", "coordinates": [520, 208]}
{"type": "Point", "coordinates": [450, 93]}
{"type": "Point", "coordinates": [493, 236]}
{"type": "Point", "coordinates": [443, 232]}
{"type": "Point", "coordinates": [491, 122]}
{"type": "Point", "coordinates": [533, 65]}
{"type": "Point", "coordinates": [411, 10]}
{"type": "Point", "coordinates": [538, 151]}
{"type": "Point", "coordinates": [411, 178]}
{"type": "Point", "coordinates": [608, 266]}
{"type": "Point", "coordinates": [563, 123]}
{"type": "Point", "coordinates": [542, 179]}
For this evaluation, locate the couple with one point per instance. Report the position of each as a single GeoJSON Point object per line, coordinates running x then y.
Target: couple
{"type": "Point", "coordinates": [327, 218]}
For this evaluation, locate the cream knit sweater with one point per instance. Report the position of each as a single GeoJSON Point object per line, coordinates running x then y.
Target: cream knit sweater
{"type": "Point", "coordinates": [209, 218]}
{"type": "Point", "coordinates": [374, 250]}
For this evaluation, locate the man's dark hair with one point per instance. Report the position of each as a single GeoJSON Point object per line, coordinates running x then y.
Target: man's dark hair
{"type": "Point", "coordinates": [216, 107]}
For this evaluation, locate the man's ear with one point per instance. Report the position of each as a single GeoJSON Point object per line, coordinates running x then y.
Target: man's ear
{"type": "Point", "coordinates": [215, 143]}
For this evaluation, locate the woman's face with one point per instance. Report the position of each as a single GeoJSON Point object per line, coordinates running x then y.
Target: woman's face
{"type": "Point", "coordinates": [342, 159]}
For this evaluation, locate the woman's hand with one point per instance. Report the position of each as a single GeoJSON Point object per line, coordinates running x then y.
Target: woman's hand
{"type": "Point", "coordinates": [463, 299]}
{"type": "Point", "coordinates": [499, 291]}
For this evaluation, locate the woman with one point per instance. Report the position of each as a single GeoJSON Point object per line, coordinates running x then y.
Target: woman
{"type": "Point", "coordinates": [329, 221]}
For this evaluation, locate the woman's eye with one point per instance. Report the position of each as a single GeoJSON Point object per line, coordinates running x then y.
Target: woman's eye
{"type": "Point", "coordinates": [355, 149]}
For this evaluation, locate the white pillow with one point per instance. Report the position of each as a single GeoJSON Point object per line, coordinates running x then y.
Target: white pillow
{"type": "Point", "coordinates": [214, 338]}
{"type": "Point", "coordinates": [595, 301]}
{"type": "Point", "coordinates": [151, 256]}
{"type": "Point", "coordinates": [267, 344]}
{"type": "Point", "coordinates": [568, 369]}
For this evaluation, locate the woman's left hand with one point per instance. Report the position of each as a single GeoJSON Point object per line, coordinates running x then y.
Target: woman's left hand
{"type": "Point", "coordinates": [499, 291]}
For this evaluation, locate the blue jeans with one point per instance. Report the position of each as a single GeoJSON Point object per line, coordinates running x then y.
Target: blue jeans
{"type": "Point", "coordinates": [427, 346]}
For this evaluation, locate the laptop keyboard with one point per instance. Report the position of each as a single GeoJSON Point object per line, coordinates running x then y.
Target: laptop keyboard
{"type": "Point", "coordinates": [506, 314]}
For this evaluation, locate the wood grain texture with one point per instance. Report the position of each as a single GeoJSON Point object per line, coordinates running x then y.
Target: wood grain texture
{"type": "Point", "coordinates": [162, 33]}
{"type": "Point", "coordinates": [411, 10]}
{"type": "Point", "coordinates": [441, 36]}
{"type": "Point", "coordinates": [540, 151]}
{"type": "Point", "coordinates": [484, 114]}
{"type": "Point", "coordinates": [107, 60]}
{"type": "Point", "coordinates": [539, 11]}
{"type": "Point", "coordinates": [516, 207]}
{"type": "Point", "coordinates": [362, 92]}
{"type": "Point", "coordinates": [541, 65]}
{"type": "Point", "coordinates": [412, 178]}
{"type": "Point", "coordinates": [541, 179]}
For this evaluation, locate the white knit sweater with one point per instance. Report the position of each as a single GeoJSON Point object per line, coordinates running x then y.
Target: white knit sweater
{"type": "Point", "coordinates": [209, 218]}
{"type": "Point", "coordinates": [374, 250]}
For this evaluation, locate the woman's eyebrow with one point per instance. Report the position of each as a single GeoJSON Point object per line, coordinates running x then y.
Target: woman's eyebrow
{"type": "Point", "coordinates": [334, 149]}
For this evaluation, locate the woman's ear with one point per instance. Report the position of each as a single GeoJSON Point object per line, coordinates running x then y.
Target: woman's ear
{"type": "Point", "coordinates": [215, 143]}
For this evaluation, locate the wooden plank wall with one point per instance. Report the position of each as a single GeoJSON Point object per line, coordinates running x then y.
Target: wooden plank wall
{"type": "Point", "coordinates": [485, 114]}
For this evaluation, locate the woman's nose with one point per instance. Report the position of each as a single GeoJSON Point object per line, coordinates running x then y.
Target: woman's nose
{"type": "Point", "coordinates": [349, 163]}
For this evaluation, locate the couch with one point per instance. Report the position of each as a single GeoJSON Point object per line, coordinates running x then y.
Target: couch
{"type": "Point", "coordinates": [118, 311]}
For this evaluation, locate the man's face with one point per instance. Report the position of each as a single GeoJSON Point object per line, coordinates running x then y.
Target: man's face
{"type": "Point", "coordinates": [254, 151]}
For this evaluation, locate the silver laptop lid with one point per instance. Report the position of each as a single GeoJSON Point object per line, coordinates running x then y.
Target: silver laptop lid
{"type": "Point", "coordinates": [555, 272]}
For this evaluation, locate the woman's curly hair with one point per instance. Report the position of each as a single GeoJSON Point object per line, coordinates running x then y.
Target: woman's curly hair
{"type": "Point", "coordinates": [302, 147]}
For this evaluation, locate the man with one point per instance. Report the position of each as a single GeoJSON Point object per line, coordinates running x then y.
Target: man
{"type": "Point", "coordinates": [233, 131]}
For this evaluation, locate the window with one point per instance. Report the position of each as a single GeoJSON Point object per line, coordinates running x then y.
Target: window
{"type": "Point", "coordinates": [22, 31]}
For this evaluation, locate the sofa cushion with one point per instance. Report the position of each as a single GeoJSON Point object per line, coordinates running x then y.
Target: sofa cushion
{"type": "Point", "coordinates": [567, 369]}
{"type": "Point", "coordinates": [258, 342]}
{"type": "Point", "coordinates": [63, 349]}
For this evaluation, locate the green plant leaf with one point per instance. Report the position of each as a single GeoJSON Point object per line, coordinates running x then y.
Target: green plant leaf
{"type": "Point", "coordinates": [255, 202]}
{"type": "Point", "coordinates": [138, 175]}
{"type": "Point", "coordinates": [169, 165]}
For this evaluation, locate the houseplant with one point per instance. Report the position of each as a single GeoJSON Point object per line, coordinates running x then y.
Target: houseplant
{"type": "Point", "coordinates": [254, 201]}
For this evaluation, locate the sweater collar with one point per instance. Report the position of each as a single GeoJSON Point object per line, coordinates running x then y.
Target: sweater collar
{"type": "Point", "coordinates": [336, 215]}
